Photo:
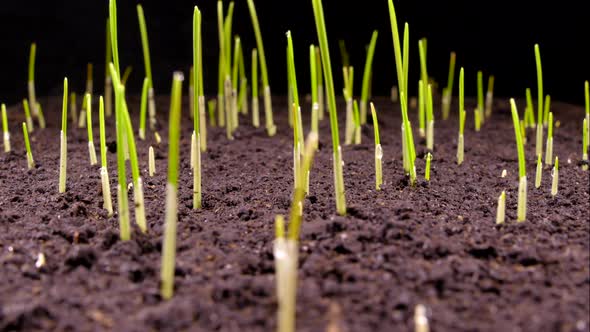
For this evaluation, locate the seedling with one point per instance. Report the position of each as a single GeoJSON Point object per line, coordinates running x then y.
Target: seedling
{"type": "Point", "coordinates": [157, 138]}
{"type": "Point", "coordinates": [40, 116]}
{"type": "Point", "coordinates": [255, 107]}
{"type": "Point", "coordinates": [89, 78]}
{"type": "Point", "coordinates": [462, 115]}
{"type": "Point", "coordinates": [367, 75]}
{"type": "Point", "coordinates": [299, 178]}
{"type": "Point", "coordinates": [429, 119]}
{"type": "Point", "coordinates": [63, 140]}
{"type": "Point", "coordinates": [549, 147]}
{"type": "Point", "coordinates": [448, 91]}
{"type": "Point", "coordinates": [539, 174]}
{"type": "Point", "coordinates": [522, 184]}
{"type": "Point", "coordinates": [420, 319]}
{"type": "Point", "coordinates": [169, 245]}
{"type": "Point", "coordinates": [234, 87]}
{"type": "Point", "coordinates": [270, 126]}
{"type": "Point", "coordinates": [28, 117]}
{"type": "Point", "coordinates": [143, 107]}
{"type": "Point", "coordinates": [427, 169]}
{"type": "Point", "coordinates": [91, 150]}
{"type": "Point", "coordinates": [318, 12]}
{"type": "Point", "coordinates": [321, 91]}
{"type": "Point", "coordinates": [242, 102]}
{"type": "Point", "coordinates": [221, 66]}
{"type": "Point", "coordinates": [555, 175]}
{"type": "Point", "coordinates": [211, 104]}
{"type": "Point", "coordinates": [315, 106]}
{"type": "Point", "coordinates": [5, 129]}
{"type": "Point", "coordinates": [196, 151]}
{"type": "Point", "coordinates": [421, 106]}
{"type": "Point", "coordinates": [108, 82]}
{"type": "Point", "coordinates": [423, 91]}
{"type": "Point", "coordinates": [547, 109]}
{"type": "Point", "coordinates": [148, 66]}
{"type": "Point", "coordinates": [31, 82]}
{"type": "Point", "coordinates": [348, 95]}
{"type": "Point", "coordinates": [151, 162]}
{"type": "Point", "coordinates": [490, 96]}
{"type": "Point", "coordinates": [104, 173]}
{"type": "Point", "coordinates": [529, 117]}
{"type": "Point", "coordinates": [126, 75]}
{"type": "Point", "coordinates": [501, 212]}
{"type": "Point", "coordinates": [523, 130]}
{"type": "Point", "coordinates": [479, 111]}
{"type": "Point", "coordinates": [73, 109]}
{"type": "Point", "coordinates": [378, 151]}
{"type": "Point", "coordinates": [30, 161]}
{"type": "Point", "coordinates": [200, 94]}
{"type": "Point", "coordinates": [357, 123]}
{"type": "Point", "coordinates": [539, 141]}
{"type": "Point", "coordinates": [344, 56]}
{"type": "Point", "coordinates": [587, 97]}
{"type": "Point", "coordinates": [584, 144]}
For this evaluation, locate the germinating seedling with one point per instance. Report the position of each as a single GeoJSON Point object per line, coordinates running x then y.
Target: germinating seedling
{"type": "Point", "coordinates": [31, 82]}
{"type": "Point", "coordinates": [315, 106]}
{"type": "Point", "coordinates": [318, 12]}
{"type": "Point", "coordinates": [584, 144]}
{"type": "Point", "coordinates": [367, 76]}
{"type": "Point", "coordinates": [555, 175]}
{"type": "Point", "coordinates": [522, 184]}
{"type": "Point", "coordinates": [539, 173]}
{"type": "Point", "coordinates": [549, 146]}
{"type": "Point", "coordinates": [357, 123]}
{"type": "Point", "coordinates": [270, 126]}
{"type": "Point", "coordinates": [148, 66]}
{"type": "Point", "coordinates": [462, 115]}
{"type": "Point", "coordinates": [348, 73]}
{"type": "Point", "coordinates": [108, 82]}
{"type": "Point", "coordinates": [91, 150]}
{"type": "Point", "coordinates": [587, 98]}
{"type": "Point", "coordinates": [30, 161]}
{"type": "Point", "coordinates": [211, 104]}
{"type": "Point", "coordinates": [169, 245]}
{"type": "Point", "coordinates": [104, 173]}
{"type": "Point", "coordinates": [547, 109]}
{"type": "Point", "coordinates": [6, 133]}
{"type": "Point", "coordinates": [479, 119]}
{"type": "Point", "coordinates": [490, 96]}
{"type": "Point", "coordinates": [320, 78]}
{"type": "Point", "coordinates": [40, 116]}
{"type": "Point", "coordinates": [429, 119]}
{"type": "Point", "coordinates": [63, 140]}
{"type": "Point", "coordinates": [28, 117]}
{"type": "Point", "coordinates": [423, 90]}
{"type": "Point", "coordinates": [299, 178]}
{"type": "Point", "coordinates": [501, 212]}
{"type": "Point", "coordinates": [448, 91]}
{"type": "Point", "coordinates": [151, 162]}
{"type": "Point", "coordinates": [529, 117]}
{"type": "Point", "coordinates": [539, 141]}
{"type": "Point", "coordinates": [378, 151]}
{"type": "Point", "coordinates": [143, 107]}
{"type": "Point", "coordinates": [427, 168]}
{"type": "Point", "coordinates": [255, 107]}
{"type": "Point", "coordinates": [196, 151]}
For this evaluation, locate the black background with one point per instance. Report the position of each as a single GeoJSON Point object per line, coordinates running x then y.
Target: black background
{"type": "Point", "coordinates": [495, 36]}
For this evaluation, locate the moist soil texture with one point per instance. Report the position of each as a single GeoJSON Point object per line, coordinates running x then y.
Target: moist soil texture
{"type": "Point", "coordinates": [435, 243]}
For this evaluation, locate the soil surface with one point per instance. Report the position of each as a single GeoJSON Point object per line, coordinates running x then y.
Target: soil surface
{"type": "Point", "coordinates": [434, 244]}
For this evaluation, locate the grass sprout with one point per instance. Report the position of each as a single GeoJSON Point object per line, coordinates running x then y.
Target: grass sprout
{"type": "Point", "coordinates": [490, 96]}
{"type": "Point", "coordinates": [320, 78]}
{"type": "Point", "coordinates": [40, 116]}
{"type": "Point", "coordinates": [462, 115]}
{"type": "Point", "coordinates": [270, 126]}
{"type": "Point", "coordinates": [522, 184]}
{"type": "Point", "coordinates": [255, 106]}
{"type": "Point", "coordinates": [31, 82]}
{"type": "Point", "coordinates": [501, 212]}
{"type": "Point", "coordinates": [424, 79]}
{"type": "Point", "coordinates": [148, 66]}
{"type": "Point", "coordinates": [348, 73]}
{"type": "Point", "coordinates": [480, 103]}
{"type": "Point", "coordinates": [143, 107]}
{"type": "Point", "coordinates": [539, 173]}
{"type": "Point", "coordinates": [448, 91]}
{"type": "Point", "coordinates": [169, 245]}
{"type": "Point", "coordinates": [378, 151]}
{"type": "Point", "coordinates": [91, 149]}
{"type": "Point", "coordinates": [196, 151]}
{"type": "Point", "coordinates": [28, 117]}
{"type": "Point", "coordinates": [211, 104]}
{"type": "Point", "coordinates": [315, 106]}
{"type": "Point", "coordinates": [286, 261]}
{"type": "Point", "coordinates": [108, 82]}
{"type": "Point", "coordinates": [367, 76]}
{"type": "Point", "coordinates": [547, 109]}
{"type": "Point", "coordinates": [151, 162]}
{"type": "Point", "coordinates": [584, 145]}
{"type": "Point", "coordinates": [318, 11]}
{"type": "Point", "coordinates": [104, 173]}
{"type": "Point", "coordinates": [6, 133]}
{"type": "Point", "coordinates": [357, 123]}
{"type": "Point", "coordinates": [549, 146]}
{"type": "Point", "coordinates": [63, 150]}
{"type": "Point", "coordinates": [555, 175]}
{"type": "Point", "coordinates": [529, 117]}
{"type": "Point", "coordinates": [82, 119]}
{"type": "Point", "coordinates": [126, 74]}
{"type": "Point", "coordinates": [30, 161]}
{"type": "Point", "coordinates": [429, 119]}
{"type": "Point", "coordinates": [587, 98]}
{"type": "Point", "coordinates": [427, 168]}
{"type": "Point", "coordinates": [540, 96]}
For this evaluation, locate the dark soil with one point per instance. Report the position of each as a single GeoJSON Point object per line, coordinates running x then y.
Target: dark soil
{"type": "Point", "coordinates": [435, 243]}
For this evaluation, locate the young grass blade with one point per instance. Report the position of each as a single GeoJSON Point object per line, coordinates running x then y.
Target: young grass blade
{"type": "Point", "coordinates": [31, 82]}
{"type": "Point", "coordinates": [424, 78]}
{"type": "Point", "coordinates": [549, 147]}
{"type": "Point", "coordinates": [169, 245]}
{"type": "Point", "coordinates": [429, 119]}
{"type": "Point", "coordinates": [104, 174]}
{"type": "Point", "coordinates": [501, 212]}
{"type": "Point", "coordinates": [148, 65]}
{"type": "Point", "coordinates": [197, 200]}
{"type": "Point", "coordinates": [462, 114]}
{"type": "Point", "coordinates": [293, 79]}
{"type": "Point", "coordinates": [315, 107]}
{"type": "Point", "coordinates": [378, 151]}
{"type": "Point", "coordinates": [108, 87]}
{"type": "Point", "coordinates": [28, 117]}
{"type": "Point", "coordinates": [367, 76]}
{"type": "Point", "coordinates": [522, 184]}
{"type": "Point", "coordinates": [584, 144]}
{"type": "Point", "coordinates": [63, 155]}
{"type": "Point", "coordinates": [539, 174]}
{"type": "Point", "coordinates": [479, 119]}
{"type": "Point", "coordinates": [540, 96]}
{"type": "Point", "coordinates": [30, 161]}
{"type": "Point", "coordinates": [5, 130]}
{"type": "Point", "coordinates": [113, 34]}
{"type": "Point", "coordinates": [357, 123]}
{"type": "Point", "coordinates": [143, 107]}
{"type": "Point", "coordinates": [255, 83]}
{"type": "Point", "coordinates": [91, 149]}
{"type": "Point", "coordinates": [321, 91]}
{"type": "Point", "coordinates": [555, 175]}
{"type": "Point", "coordinates": [151, 162]}
{"type": "Point", "coordinates": [490, 96]}
{"type": "Point", "coordinates": [587, 98]}
{"type": "Point", "coordinates": [547, 109]}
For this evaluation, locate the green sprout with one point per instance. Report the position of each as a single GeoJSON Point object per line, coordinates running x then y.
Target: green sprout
{"type": "Point", "coordinates": [547, 109]}
{"type": "Point", "coordinates": [74, 109]}
{"type": "Point", "coordinates": [28, 117]}
{"type": "Point", "coordinates": [427, 168]}
{"type": "Point", "coordinates": [539, 174]}
{"type": "Point", "coordinates": [585, 145]}
{"type": "Point", "coordinates": [367, 75]}
{"type": "Point", "coordinates": [523, 130]}
{"type": "Point", "coordinates": [108, 87]}
{"type": "Point", "coordinates": [522, 184]}
{"type": "Point", "coordinates": [63, 154]}
{"type": "Point", "coordinates": [448, 91]}
{"type": "Point", "coordinates": [529, 117]}
{"type": "Point", "coordinates": [462, 115]}
{"type": "Point", "coordinates": [40, 116]}
{"type": "Point", "coordinates": [555, 175]}
{"type": "Point", "coordinates": [357, 123]}
{"type": "Point", "coordinates": [320, 78]}
{"type": "Point", "coordinates": [169, 245]}
{"type": "Point", "coordinates": [587, 98]}
{"type": "Point", "coordinates": [234, 86]}
{"type": "Point", "coordinates": [479, 111]}
{"type": "Point", "coordinates": [5, 130]}
{"type": "Point", "coordinates": [211, 104]}
{"type": "Point", "coordinates": [221, 67]}
{"type": "Point", "coordinates": [270, 126]}
{"type": "Point", "coordinates": [242, 96]}
{"type": "Point", "coordinates": [539, 141]}
{"type": "Point", "coordinates": [31, 82]}
{"type": "Point", "coordinates": [148, 66]}
{"type": "Point", "coordinates": [200, 91]}
{"type": "Point", "coordinates": [549, 147]}
{"type": "Point", "coordinates": [421, 105]}
{"type": "Point", "coordinates": [104, 174]}
{"type": "Point", "coordinates": [344, 56]}
{"type": "Point", "coordinates": [126, 75]}
{"type": "Point", "coordinates": [151, 162]}
{"type": "Point", "coordinates": [315, 107]}
{"type": "Point", "coordinates": [197, 199]}
{"type": "Point", "coordinates": [424, 79]}
{"type": "Point", "coordinates": [348, 95]}
{"type": "Point", "coordinates": [89, 78]}
{"type": "Point", "coordinates": [318, 12]}
{"type": "Point", "coordinates": [299, 178]}
{"type": "Point", "coordinates": [91, 150]}
{"type": "Point", "coordinates": [501, 212]}
{"type": "Point", "coordinates": [490, 96]}
{"type": "Point", "coordinates": [429, 119]}
{"type": "Point", "coordinates": [255, 107]}
{"type": "Point", "coordinates": [143, 107]}
{"type": "Point", "coordinates": [113, 37]}
{"type": "Point", "coordinates": [82, 119]}
{"type": "Point", "coordinates": [378, 151]}
{"type": "Point", "coordinates": [30, 161]}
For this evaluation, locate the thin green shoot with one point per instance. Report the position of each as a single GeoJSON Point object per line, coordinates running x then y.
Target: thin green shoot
{"type": "Point", "coordinates": [462, 116]}
{"type": "Point", "coordinates": [143, 107]}
{"type": "Point", "coordinates": [421, 106]}
{"type": "Point", "coordinates": [255, 107]}
{"type": "Point", "coordinates": [151, 162]}
{"type": "Point", "coordinates": [270, 126]}
{"type": "Point", "coordinates": [221, 65]}
{"type": "Point", "coordinates": [529, 120]}
{"type": "Point", "coordinates": [540, 96]}
{"type": "Point", "coordinates": [522, 191]}
{"type": "Point", "coordinates": [104, 174]}
{"type": "Point", "coordinates": [348, 96]}
{"type": "Point", "coordinates": [286, 262]}
{"type": "Point", "coordinates": [320, 78]}
{"type": "Point", "coordinates": [427, 167]}
{"type": "Point", "coordinates": [294, 89]}
{"type": "Point", "coordinates": [108, 86]}
{"type": "Point", "coordinates": [200, 89]}
{"type": "Point", "coordinates": [490, 96]}
{"type": "Point", "coordinates": [91, 150]}
{"type": "Point", "coordinates": [28, 117]}
{"type": "Point", "coordinates": [501, 212]}
{"type": "Point", "coordinates": [31, 82]}
{"type": "Point", "coordinates": [424, 79]}
{"type": "Point", "coordinates": [448, 91]}
{"type": "Point", "coordinates": [227, 30]}
{"type": "Point", "coordinates": [234, 84]}
{"type": "Point", "coordinates": [40, 116]}
{"type": "Point", "coordinates": [126, 75]}
{"type": "Point", "coordinates": [539, 173]}
{"type": "Point", "coordinates": [63, 154]}
{"type": "Point", "coordinates": [145, 45]}
{"type": "Point", "coordinates": [429, 119]}
{"type": "Point", "coordinates": [315, 107]}
{"type": "Point", "coordinates": [6, 133]}
{"type": "Point", "coordinates": [367, 75]}
{"type": "Point", "coordinates": [523, 130]}
{"type": "Point", "coordinates": [169, 245]}
{"type": "Point", "coordinates": [327, 68]}
{"type": "Point", "coordinates": [30, 161]}
{"type": "Point", "coordinates": [357, 123]}
{"type": "Point", "coordinates": [587, 98]}
{"type": "Point", "coordinates": [549, 147]}
{"type": "Point", "coordinates": [113, 37]}
{"type": "Point", "coordinates": [409, 142]}
{"type": "Point", "coordinates": [378, 151]}
{"type": "Point", "coordinates": [585, 145]}
{"type": "Point", "coordinates": [197, 199]}
{"type": "Point", "coordinates": [547, 109]}
{"type": "Point", "coordinates": [243, 79]}
{"type": "Point", "coordinates": [479, 119]}
{"type": "Point", "coordinates": [555, 175]}
{"type": "Point", "coordinates": [344, 56]}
